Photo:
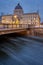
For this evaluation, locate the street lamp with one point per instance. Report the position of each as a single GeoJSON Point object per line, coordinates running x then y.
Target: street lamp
{"type": "Point", "coordinates": [34, 20]}
{"type": "Point", "coordinates": [16, 18]}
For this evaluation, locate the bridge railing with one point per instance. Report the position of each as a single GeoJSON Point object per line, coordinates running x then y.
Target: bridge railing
{"type": "Point", "coordinates": [7, 26]}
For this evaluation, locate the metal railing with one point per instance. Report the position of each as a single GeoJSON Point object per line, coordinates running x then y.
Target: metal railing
{"type": "Point", "coordinates": [7, 26]}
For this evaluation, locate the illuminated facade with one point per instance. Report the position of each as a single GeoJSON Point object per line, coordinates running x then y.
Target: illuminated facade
{"type": "Point", "coordinates": [19, 17]}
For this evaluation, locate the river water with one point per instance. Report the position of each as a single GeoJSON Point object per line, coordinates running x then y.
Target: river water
{"type": "Point", "coordinates": [21, 51]}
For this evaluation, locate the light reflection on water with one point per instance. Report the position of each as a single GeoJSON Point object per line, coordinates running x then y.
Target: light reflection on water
{"type": "Point", "coordinates": [21, 51]}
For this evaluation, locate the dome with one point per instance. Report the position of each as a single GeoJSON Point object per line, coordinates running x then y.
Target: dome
{"type": "Point", "coordinates": [18, 6]}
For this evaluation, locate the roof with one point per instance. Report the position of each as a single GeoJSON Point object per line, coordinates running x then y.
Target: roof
{"type": "Point", "coordinates": [18, 6]}
{"type": "Point", "coordinates": [8, 15]}
{"type": "Point", "coordinates": [31, 13]}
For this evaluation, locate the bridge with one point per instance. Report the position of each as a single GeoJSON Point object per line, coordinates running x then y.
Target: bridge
{"type": "Point", "coordinates": [13, 28]}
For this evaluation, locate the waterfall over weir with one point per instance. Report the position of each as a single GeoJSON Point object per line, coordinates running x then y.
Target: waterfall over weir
{"type": "Point", "coordinates": [21, 51]}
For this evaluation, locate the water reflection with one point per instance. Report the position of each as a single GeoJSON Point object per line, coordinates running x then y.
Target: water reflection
{"type": "Point", "coordinates": [21, 51]}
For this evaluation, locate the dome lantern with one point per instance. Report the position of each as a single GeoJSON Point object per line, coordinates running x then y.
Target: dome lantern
{"type": "Point", "coordinates": [18, 9]}
{"type": "Point", "coordinates": [18, 6]}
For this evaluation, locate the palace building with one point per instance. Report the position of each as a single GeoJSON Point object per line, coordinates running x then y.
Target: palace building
{"type": "Point", "coordinates": [19, 17]}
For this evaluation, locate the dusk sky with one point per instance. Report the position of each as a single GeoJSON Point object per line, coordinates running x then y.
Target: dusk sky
{"type": "Point", "coordinates": [29, 6]}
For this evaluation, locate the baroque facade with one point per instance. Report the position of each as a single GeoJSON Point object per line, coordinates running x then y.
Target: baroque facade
{"type": "Point", "coordinates": [19, 17]}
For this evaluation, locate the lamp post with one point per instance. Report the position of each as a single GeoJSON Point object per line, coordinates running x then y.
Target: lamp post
{"type": "Point", "coordinates": [34, 21]}
{"type": "Point", "coordinates": [14, 20]}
